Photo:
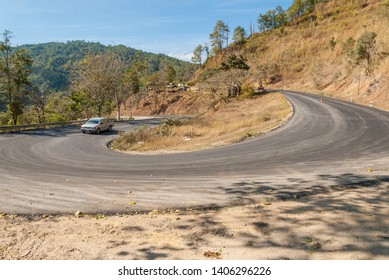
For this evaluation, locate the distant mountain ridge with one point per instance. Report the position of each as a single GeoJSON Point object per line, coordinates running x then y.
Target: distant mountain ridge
{"type": "Point", "coordinates": [54, 61]}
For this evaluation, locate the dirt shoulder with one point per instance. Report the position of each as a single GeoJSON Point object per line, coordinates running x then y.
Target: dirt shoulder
{"type": "Point", "coordinates": [347, 224]}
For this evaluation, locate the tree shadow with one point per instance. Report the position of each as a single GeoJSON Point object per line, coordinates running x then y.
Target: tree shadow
{"type": "Point", "coordinates": [343, 217]}
{"type": "Point", "coordinates": [362, 221]}
{"type": "Point", "coordinates": [294, 188]}
{"type": "Point", "coordinates": [49, 132]}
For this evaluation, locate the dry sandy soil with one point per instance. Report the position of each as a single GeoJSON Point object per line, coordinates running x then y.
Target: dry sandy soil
{"type": "Point", "coordinates": [345, 223]}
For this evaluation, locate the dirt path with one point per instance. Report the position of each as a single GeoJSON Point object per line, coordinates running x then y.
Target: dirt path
{"type": "Point", "coordinates": [347, 224]}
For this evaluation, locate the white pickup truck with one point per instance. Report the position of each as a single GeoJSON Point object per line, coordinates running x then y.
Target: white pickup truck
{"type": "Point", "coordinates": [97, 125]}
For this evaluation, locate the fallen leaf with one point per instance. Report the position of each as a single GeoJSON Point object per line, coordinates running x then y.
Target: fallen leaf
{"type": "Point", "coordinates": [308, 239]}
{"type": "Point", "coordinates": [78, 214]}
{"type": "Point", "coordinates": [131, 203]}
{"type": "Point", "coordinates": [154, 212]}
{"type": "Point", "coordinates": [266, 203]}
{"type": "Point", "coordinates": [210, 254]}
{"type": "Point", "coordinates": [316, 246]}
{"type": "Point", "coordinates": [383, 236]}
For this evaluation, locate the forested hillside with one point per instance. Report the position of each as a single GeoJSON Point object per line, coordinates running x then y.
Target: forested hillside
{"type": "Point", "coordinates": [53, 63]}
{"type": "Point", "coordinates": [64, 81]}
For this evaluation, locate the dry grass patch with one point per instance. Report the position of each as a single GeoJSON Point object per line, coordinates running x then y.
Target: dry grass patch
{"type": "Point", "coordinates": [233, 122]}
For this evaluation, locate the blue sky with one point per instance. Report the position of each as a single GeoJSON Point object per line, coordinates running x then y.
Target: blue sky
{"type": "Point", "coordinates": [172, 27]}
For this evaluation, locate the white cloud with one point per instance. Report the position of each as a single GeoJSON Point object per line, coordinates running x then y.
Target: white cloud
{"type": "Point", "coordinates": [182, 56]}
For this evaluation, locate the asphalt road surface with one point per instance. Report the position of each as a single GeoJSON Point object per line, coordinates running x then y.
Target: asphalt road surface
{"type": "Point", "coordinates": [324, 145]}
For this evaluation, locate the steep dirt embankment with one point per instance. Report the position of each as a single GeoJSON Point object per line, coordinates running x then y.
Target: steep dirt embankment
{"type": "Point", "coordinates": [317, 53]}
{"type": "Point", "coordinates": [167, 103]}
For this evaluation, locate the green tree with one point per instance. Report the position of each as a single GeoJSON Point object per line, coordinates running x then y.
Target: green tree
{"type": "Point", "coordinates": [5, 67]}
{"type": "Point", "coordinates": [79, 105]}
{"type": "Point", "coordinates": [219, 36]}
{"type": "Point", "coordinates": [272, 19]}
{"type": "Point", "coordinates": [198, 55]}
{"type": "Point", "coordinates": [118, 83]}
{"type": "Point", "coordinates": [167, 74]}
{"type": "Point", "coordinates": [57, 108]}
{"type": "Point", "coordinates": [301, 7]}
{"type": "Point", "coordinates": [15, 68]}
{"type": "Point", "coordinates": [240, 35]}
{"type": "Point", "coordinates": [266, 21]}
{"type": "Point", "coordinates": [348, 46]}
{"type": "Point", "coordinates": [332, 43]}
{"type": "Point", "coordinates": [311, 4]}
{"type": "Point", "coordinates": [234, 62]}
{"type": "Point", "coordinates": [16, 109]}
{"type": "Point", "coordinates": [297, 9]}
{"type": "Point", "coordinates": [91, 79]}
{"type": "Point", "coordinates": [365, 49]}
{"type": "Point", "coordinates": [105, 79]}
{"type": "Point", "coordinates": [38, 98]}
{"type": "Point", "coordinates": [206, 49]}
{"type": "Point", "coordinates": [281, 17]}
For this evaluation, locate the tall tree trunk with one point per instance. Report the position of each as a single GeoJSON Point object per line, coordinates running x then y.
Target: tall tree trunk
{"type": "Point", "coordinates": [15, 119]}
{"type": "Point", "coordinates": [118, 111]}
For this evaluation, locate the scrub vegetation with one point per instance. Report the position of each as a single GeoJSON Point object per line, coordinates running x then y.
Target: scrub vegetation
{"type": "Point", "coordinates": [234, 121]}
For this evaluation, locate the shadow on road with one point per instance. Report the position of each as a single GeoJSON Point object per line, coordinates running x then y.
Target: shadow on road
{"type": "Point", "coordinates": [295, 187]}
{"type": "Point", "coordinates": [74, 130]}
{"type": "Point", "coordinates": [344, 220]}
{"type": "Point", "coordinates": [51, 132]}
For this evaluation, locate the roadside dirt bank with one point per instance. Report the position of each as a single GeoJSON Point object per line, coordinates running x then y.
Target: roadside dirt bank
{"type": "Point", "coordinates": [345, 224]}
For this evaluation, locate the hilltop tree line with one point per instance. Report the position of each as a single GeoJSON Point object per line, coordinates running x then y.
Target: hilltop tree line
{"type": "Point", "coordinates": [63, 81]}
{"type": "Point", "coordinates": [272, 19]}
{"type": "Point", "coordinates": [54, 62]}
{"type": "Point", "coordinates": [279, 17]}
{"type": "Point", "coordinates": [219, 40]}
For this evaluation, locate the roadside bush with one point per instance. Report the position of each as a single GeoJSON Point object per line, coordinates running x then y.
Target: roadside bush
{"type": "Point", "coordinates": [164, 130]}
{"type": "Point", "coordinates": [28, 117]}
{"type": "Point", "coordinates": [247, 90]}
{"type": "Point", "coordinates": [126, 140]}
{"type": "Point", "coordinates": [174, 122]}
{"type": "Point", "coordinates": [5, 119]}
{"type": "Point", "coordinates": [56, 118]}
